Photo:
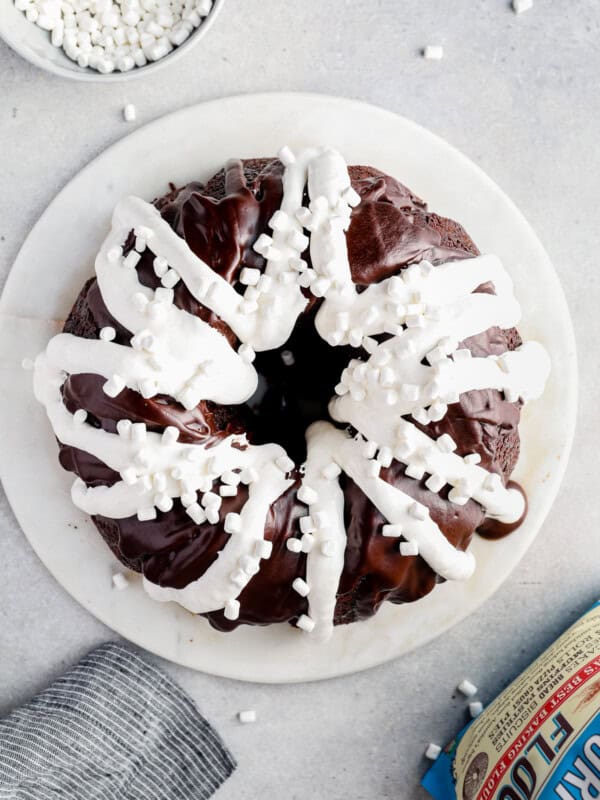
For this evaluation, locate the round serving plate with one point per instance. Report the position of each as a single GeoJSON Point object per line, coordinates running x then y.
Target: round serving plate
{"type": "Point", "coordinates": [57, 258]}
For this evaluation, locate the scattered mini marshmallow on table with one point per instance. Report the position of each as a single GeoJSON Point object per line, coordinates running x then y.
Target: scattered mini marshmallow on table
{"type": "Point", "coordinates": [129, 112]}
{"type": "Point", "coordinates": [467, 688]}
{"type": "Point", "coordinates": [475, 709]}
{"type": "Point", "coordinates": [248, 716]}
{"type": "Point", "coordinates": [433, 751]}
{"type": "Point", "coordinates": [519, 6]}
{"type": "Point", "coordinates": [116, 36]}
{"type": "Point", "coordinates": [433, 52]}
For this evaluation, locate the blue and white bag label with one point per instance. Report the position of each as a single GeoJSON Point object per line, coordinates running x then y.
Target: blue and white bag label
{"type": "Point", "coordinates": [540, 739]}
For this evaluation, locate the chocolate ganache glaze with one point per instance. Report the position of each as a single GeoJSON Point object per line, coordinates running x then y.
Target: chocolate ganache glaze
{"type": "Point", "coordinates": [390, 229]}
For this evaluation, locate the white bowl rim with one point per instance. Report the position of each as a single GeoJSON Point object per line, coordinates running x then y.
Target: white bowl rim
{"type": "Point", "coordinates": [77, 73]}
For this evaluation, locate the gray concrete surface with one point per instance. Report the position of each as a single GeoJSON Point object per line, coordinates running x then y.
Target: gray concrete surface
{"type": "Point", "coordinates": [519, 96]}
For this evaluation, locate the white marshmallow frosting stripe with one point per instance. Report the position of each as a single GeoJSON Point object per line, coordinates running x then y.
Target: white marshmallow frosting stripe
{"type": "Point", "coordinates": [417, 371]}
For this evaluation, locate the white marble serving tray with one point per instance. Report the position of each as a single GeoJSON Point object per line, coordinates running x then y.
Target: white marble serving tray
{"type": "Point", "coordinates": [57, 258]}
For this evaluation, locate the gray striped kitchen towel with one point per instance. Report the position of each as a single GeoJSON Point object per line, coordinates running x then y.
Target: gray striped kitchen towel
{"type": "Point", "coordinates": [114, 727]}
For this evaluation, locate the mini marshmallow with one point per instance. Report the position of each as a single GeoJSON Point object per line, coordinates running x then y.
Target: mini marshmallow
{"type": "Point", "coordinates": [385, 456]}
{"type": "Point", "coordinates": [250, 277]}
{"type": "Point", "coordinates": [297, 241]}
{"type": "Point", "coordinates": [284, 463]}
{"type": "Point", "coordinates": [437, 411]}
{"type": "Point", "coordinates": [249, 565]}
{"type": "Point", "coordinates": [370, 449]}
{"type": "Point", "coordinates": [327, 548]}
{"type": "Point", "coordinates": [301, 587]}
{"type": "Point", "coordinates": [131, 259]}
{"type": "Point", "coordinates": [415, 470]}
{"type": "Point", "coordinates": [392, 530]}
{"type": "Point", "coordinates": [239, 577]}
{"type": "Point", "coordinates": [129, 112]}
{"type": "Point", "coordinates": [262, 244]}
{"type": "Point", "coordinates": [232, 610]}
{"type": "Point", "coordinates": [307, 542]}
{"type": "Point", "coordinates": [248, 475]}
{"type": "Point", "coordinates": [212, 515]}
{"type": "Point", "coordinates": [286, 156]}
{"type": "Point", "coordinates": [233, 523]}
{"type": "Point", "coordinates": [387, 377]}
{"type": "Point", "coordinates": [373, 469]}
{"type": "Point", "coordinates": [263, 549]}
{"type": "Point", "coordinates": [159, 481]}
{"type": "Point", "coordinates": [196, 513]}
{"type": "Point", "coordinates": [161, 266]}
{"type": "Point", "coordinates": [113, 386]}
{"type": "Point", "coordinates": [211, 499]}
{"type": "Point", "coordinates": [519, 6]}
{"type": "Point", "coordinates": [248, 307]}
{"type": "Point", "coordinates": [418, 511]}
{"type": "Point", "coordinates": [304, 216]}
{"type": "Point", "coordinates": [246, 353]}
{"type": "Point", "coordinates": [307, 524]}
{"type": "Point", "coordinates": [188, 499]}
{"type": "Point", "coordinates": [446, 443]}
{"type": "Point", "coordinates": [321, 519]}
{"type": "Point", "coordinates": [351, 196]}
{"type": "Point", "coordinates": [163, 295]}
{"type": "Point", "coordinates": [227, 491]}
{"type": "Point", "coordinates": [435, 482]}
{"type": "Point", "coordinates": [320, 286]}
{"type": "Point", "coordinates": [148, 388]}
{"type": "Point", "coordinates": [410, 548]}
{"type": "Point", "coordinates": [307, 495]}
{"type": "Point", "coordinates": [129, 476]}
{"type": "Point", "coordinates": [331, 471]}
{"type": "Point", "coordinates": [140, 301]}
{"type": "Point", "coordinates": [433, 52]}
{"type": "Point", "coordinates": [410, 392]}
{"type": "Point", "coordinates": [108, 334]}
{"type": "Point", "coordinates": [163, 502]}
{"type": "Point", "coordinates": [370, 344]}
{"type": "Point", "coordinates": [80, 416]}
{"type": "Point", "coordinates": [146, 514]}
{"type": "Point", "coordinates": [467, 688]}
{"type": "Point", "coordinates": [433, 751]}
{"type": "Point", "coordinates": [305, 623]}
{"type": "Point", "coordinates": [279, 221]}
{"type": "Point", "coordinates": [120, 581]}
{"type": "Point", "coordinates": [265, 283]}
{"type": "Point", "coordinates": [246, 717]}
{"type": "Point", "coordinates": [138, 432]}
{"type": "Point", "coordinates": [492, 482]}
{"type": "Point", "coordinates": [475, 709]}
{"type": "Point", "coordinates": [124, 427]}
{"type": "Point", "coordinates": [294, 545]}
{"type": "Point", "coordinates": [170, 279]}
{"type": "Point", "coordinates": [459, 494]}
{"type": "Point", "coordinates": [170, 435]}
{"type": "Point", "coordinates": [230, 477]}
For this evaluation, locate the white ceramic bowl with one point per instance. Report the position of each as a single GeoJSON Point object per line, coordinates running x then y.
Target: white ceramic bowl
{"type": "Point", "coordinates": [33, 44]}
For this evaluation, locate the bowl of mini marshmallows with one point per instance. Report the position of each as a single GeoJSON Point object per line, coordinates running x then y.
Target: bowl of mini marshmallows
{"type": "Point", "coordinates": [99, 40]}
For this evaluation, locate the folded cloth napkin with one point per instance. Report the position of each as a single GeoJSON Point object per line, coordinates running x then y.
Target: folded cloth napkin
{"type": "Point", "coordinates": [114, 727]}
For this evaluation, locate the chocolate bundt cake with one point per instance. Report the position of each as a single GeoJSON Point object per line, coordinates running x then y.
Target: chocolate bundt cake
{"type": "Point", "coordinates": [292, 393]}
